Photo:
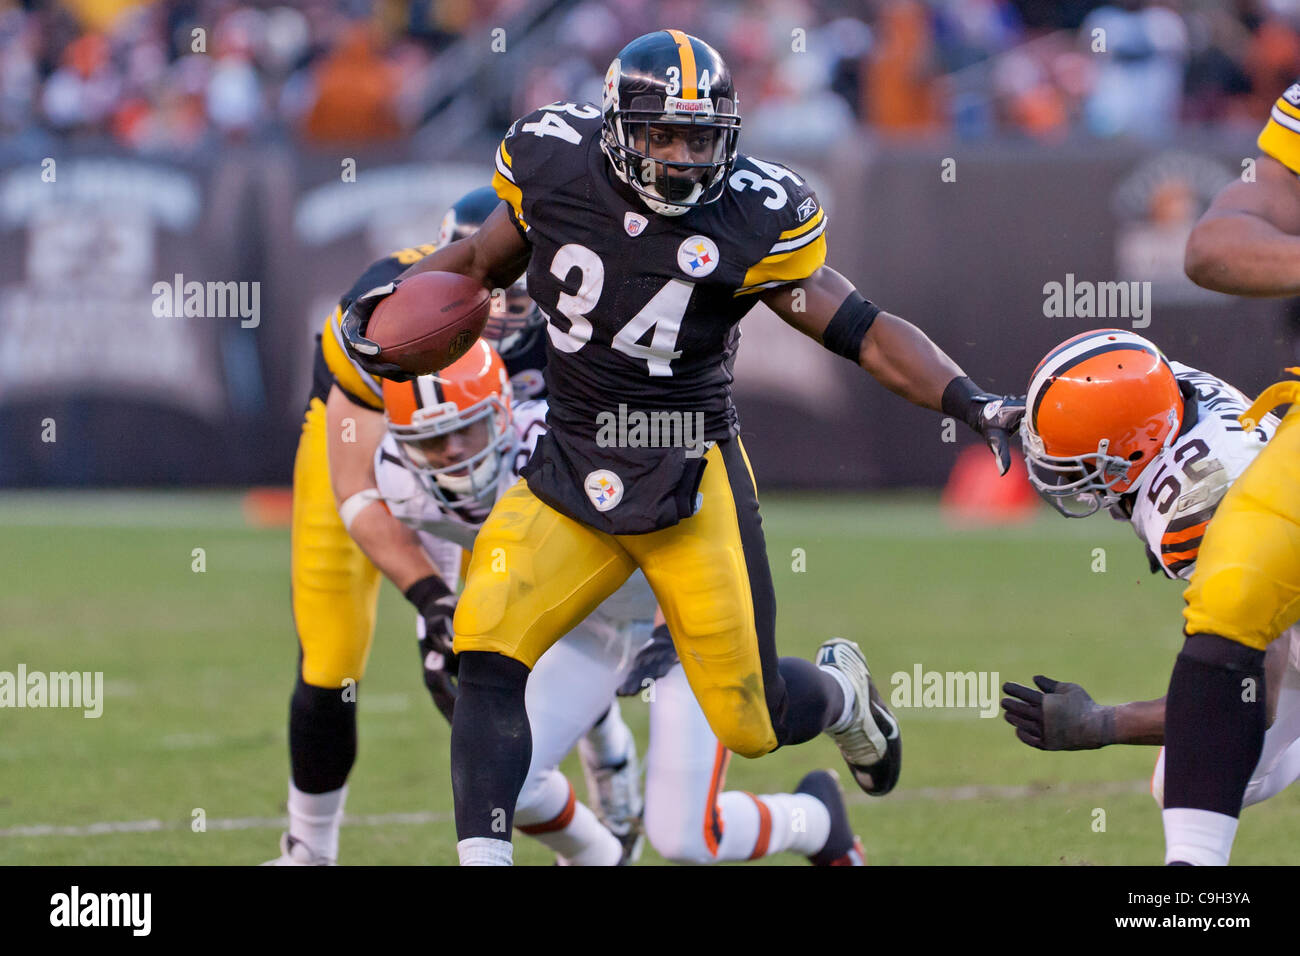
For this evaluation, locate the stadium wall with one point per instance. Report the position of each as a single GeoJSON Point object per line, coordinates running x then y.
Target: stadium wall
{"type": "Point", "coordinates": [962, 240]}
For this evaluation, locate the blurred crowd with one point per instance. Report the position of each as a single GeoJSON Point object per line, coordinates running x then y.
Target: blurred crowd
{"type": "Point", "coordinates": [181, 75]}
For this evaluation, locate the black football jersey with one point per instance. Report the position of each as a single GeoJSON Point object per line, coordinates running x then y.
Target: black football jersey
{"type": "Point", "coordinates": [642, 308]}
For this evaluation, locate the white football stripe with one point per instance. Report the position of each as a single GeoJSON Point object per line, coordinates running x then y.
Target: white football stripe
{"type": "Point", "coordinates": [1014, 793]}
{"type": "Point", "coordinates": [428, 394]}
{"type": "Point", "coordinates": [366, 377]}
{"type": "Point", "coordinates": [503, 169]}
{"type": "Point", "coordinates": [803, 240]}
{"type": "Point", "coordinates": [1290, 122]}
{"type": "Point", "coordinates": [1081, 347]}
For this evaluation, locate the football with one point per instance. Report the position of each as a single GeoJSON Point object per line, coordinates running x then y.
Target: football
{"type": "Point", "coordinates": [429, 321]}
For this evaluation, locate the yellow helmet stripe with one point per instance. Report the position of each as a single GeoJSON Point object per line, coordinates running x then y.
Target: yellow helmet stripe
{"type": "Point", "coordinates": [687, 55]}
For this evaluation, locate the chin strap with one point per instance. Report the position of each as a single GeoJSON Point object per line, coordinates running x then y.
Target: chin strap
{"type": "Point", "coordinates": [1282, 393]}
{"type": "Point", "coordinates": [662, 206]}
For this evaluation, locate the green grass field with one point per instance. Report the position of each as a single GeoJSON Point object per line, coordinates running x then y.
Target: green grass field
{"type": "Point", "coordinates": [198, 668]}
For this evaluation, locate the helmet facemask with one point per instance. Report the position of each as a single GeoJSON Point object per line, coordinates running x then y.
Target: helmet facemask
{"type": "Point", "coordinates": [1079, 485]}
{"type": "Point", "coordinates": [513, 315]}
{"type": "Point", "coordinates": [672, 188]}
{"type": "Point", "coordinates": [469, 485]}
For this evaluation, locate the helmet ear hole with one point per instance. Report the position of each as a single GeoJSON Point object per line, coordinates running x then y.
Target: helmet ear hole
{"type": "Point", "coordinates": [1136, 456]}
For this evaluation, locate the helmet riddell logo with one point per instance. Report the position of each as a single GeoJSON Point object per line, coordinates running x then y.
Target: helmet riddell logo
{"type": "Point", "coordinates": [604, 488]}
{"type": "Point", "coordinates": [697, 256]}
{"type": "Point", "coordinates": [634, 223]}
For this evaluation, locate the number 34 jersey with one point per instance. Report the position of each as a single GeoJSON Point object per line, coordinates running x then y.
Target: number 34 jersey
{"type": "Point", "coordinates": [1178, 493]}
{"type": "Point", "coordinates": [643, 309]}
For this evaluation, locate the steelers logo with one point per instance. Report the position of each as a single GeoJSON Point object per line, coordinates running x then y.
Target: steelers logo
{"type": "Point", "coordinates": [604, 488]}
{"type": "Point", "coordinates": [697, 256]}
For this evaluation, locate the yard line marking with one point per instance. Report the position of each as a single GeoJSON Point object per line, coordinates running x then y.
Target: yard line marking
{"type": "Point", "coordinates": [423, 818]}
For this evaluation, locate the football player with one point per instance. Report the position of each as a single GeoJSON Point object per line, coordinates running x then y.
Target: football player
{"type": "Point", "coordinates": [334, 578]}
{"type": "Point", "coordinates": [455, 444]}
{"type": "Point", "coordinates": [1246, 587]}
{"type": "Point", "coordinates": [1113, 424]}
{"type": "Point", "coordinates": [335, 582]}
{"type": "Point", "coordinates": [450, 450]}
{"type": "Point", "coordinates": [646, 237]}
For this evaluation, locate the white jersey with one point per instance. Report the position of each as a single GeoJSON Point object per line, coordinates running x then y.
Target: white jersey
{"type": "Point", "coordinates": [1178, 493]}
{"type": "Point", "coordinates": [447, 535]}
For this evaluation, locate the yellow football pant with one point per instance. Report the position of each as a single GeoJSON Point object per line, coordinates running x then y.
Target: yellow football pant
{"type": "Point", "coordinates": [1246, 586]}
{"type": "Point", "coordinates": [535, 573]}
{"type": "Point", "coordinates": [335, 587]}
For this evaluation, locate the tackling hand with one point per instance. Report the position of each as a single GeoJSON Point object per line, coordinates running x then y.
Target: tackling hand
{"type": "Point", "coordinates": [437, 607]}
{"type": "Point", "coordinates": [997, 418]}
{"type": "Point", "coordinates": [362, 350]}
{"type": "Point", "coordinates": [1061, 717]}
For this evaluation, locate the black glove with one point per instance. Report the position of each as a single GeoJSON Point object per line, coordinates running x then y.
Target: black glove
{"type": "Point", "coordinates": [1062, 717]}
{"type": "Point", "coordinates": [361, 349]}
{"type": "Point", "coordinates": [996, 417]}
{"type": "Point", "coordinates": [652, 662]}
{"type": "Point", "coordinates": [437, 606]}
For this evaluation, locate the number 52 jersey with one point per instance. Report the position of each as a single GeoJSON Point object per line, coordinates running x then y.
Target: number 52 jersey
{"type": "Point", "coordinates": [1178, 493]}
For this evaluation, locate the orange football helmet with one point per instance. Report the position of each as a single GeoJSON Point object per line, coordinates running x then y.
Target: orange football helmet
{"type": "Point", "coordinates": [1101, 406]}
{"type": "Point", "coordinates": [453, 427]}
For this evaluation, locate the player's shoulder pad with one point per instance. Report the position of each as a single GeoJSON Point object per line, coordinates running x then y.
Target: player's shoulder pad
{"type": "Point", "coordinates": [544, 149]}
{"type": "Point", "coordinates": [384, 270]}
{"type": "Point", "coordinates": [1280, 137]}
{"type": "Point", "coordinates": [783, 213]}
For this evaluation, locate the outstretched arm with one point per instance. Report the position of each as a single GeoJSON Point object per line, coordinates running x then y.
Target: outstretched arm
{"type": "Point", "coordinates": [1248, 241]}
{"type": "Point", "coordinates": [1063, 716]}
{"type": "Point", "coordinates": [826, 307]}
{"type": "Point", "coordinates": [896, 353]}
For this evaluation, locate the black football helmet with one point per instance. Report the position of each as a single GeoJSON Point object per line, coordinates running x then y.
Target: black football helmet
{"type": "Point", "coordinates": [514, 317]}
{"type": "Point", "coordinates": [663, 79]}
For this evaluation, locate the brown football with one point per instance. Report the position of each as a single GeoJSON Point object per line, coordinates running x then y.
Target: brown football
{"type": "Point", "coordinates": [429, 321]}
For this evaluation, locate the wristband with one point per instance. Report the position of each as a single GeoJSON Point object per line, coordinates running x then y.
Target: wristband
{"type": "Point", "coordinates": [848, 327]}
{"type": "Point", "coordinates": [427, 592]}
{"type": "Point", "coordinates": [962, 399]}
{"type": "Point", "coordinates": [356, 504]}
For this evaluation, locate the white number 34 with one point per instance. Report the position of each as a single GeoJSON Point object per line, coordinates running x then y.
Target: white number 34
{"type": "Point", "coordinates": [745, 179]}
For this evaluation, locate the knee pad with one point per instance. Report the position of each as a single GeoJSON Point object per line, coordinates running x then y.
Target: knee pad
{"type": "Point", "coordinates": [322, 736]}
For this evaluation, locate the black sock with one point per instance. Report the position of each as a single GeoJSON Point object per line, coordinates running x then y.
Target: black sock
{"type": "Point", "coordinates": [814, 700]}
{"type": "Point", "coordinates": [491, 744]}
{"type": "Point", "coordinates": [1214, 724]}
{"type": "Point", "coordinates": [322, 736]}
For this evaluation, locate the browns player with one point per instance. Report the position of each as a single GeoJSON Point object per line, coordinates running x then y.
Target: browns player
{"type": "Point", "coordinates": [334, 581]}
{"type": "Point", "coordinates": [1246, 588]}
{"type": "Point", "coordinates": [1113, 424]}
{"type": "Point", "coordinates": [647, 237]}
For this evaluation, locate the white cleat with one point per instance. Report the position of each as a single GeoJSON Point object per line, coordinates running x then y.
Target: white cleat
{"type": "Point", "coordinates": [293, 852]}
{"type": "Point", "coordinates": [870, 744]}
{"type": "Point", "coordinates": [615, 794]}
